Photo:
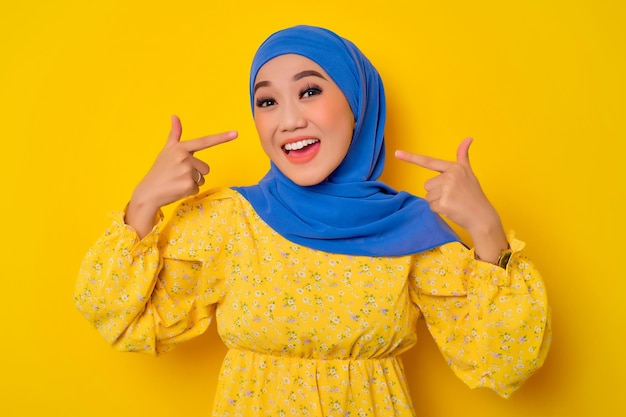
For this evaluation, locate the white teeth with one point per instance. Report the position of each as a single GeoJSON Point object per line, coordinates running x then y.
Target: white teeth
{"type": "Point", "coordinates": [300, 144]}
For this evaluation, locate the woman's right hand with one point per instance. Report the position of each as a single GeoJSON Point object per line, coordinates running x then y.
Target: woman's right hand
{"type": "Point", "coordinates": [175, 174]}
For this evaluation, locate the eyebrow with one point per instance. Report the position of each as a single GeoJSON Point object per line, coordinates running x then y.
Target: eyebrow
{"type": "Point", "coordinates": [298, 76]}
{"type": "Point", "coordinates": [308, 73]}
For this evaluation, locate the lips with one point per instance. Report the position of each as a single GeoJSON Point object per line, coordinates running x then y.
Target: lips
{"type": "Point", "coordinates": [301, 144]}
{"type": "Point", "coordinates": [301, 150]}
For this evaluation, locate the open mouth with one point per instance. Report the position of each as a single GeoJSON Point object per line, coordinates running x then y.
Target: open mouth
{"type": "Point", "coordinates": [299, 146]}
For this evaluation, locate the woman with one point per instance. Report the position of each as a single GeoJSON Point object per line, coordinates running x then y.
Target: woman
{"type": "Point", "coordinates": [318, 274]}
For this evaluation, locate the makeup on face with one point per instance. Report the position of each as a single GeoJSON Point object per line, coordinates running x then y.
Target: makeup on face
{"type": "Point", "coordinates": [303, 119]}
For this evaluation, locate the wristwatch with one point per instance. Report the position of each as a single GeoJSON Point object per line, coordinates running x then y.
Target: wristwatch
{"type": "Point", "coordinates": [503, 258]}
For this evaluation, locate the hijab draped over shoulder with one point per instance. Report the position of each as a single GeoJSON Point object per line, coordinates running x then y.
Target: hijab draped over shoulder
{"type": "Point", "coordinates": [351, 212]}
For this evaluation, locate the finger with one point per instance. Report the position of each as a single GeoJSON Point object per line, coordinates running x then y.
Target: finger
{"type": "Point", "coordinates": [198, 178]}
{"type": "Point", "coordinates": [205, 142]}
{"type": "Point", "coordinates": [432, 196]}
{"type": "Point", "coordinates": [462, 153]}
{"type": "Point", "coordinates": [200, 166]}
{"type": "Point", "coordinates": [435, 205]}
{"type": "Point", "coordinates": [433, 183]}
{"type": "Point", "coordinates": [176, 131]}
{"type": "Point", "coordinates": [424, 161]}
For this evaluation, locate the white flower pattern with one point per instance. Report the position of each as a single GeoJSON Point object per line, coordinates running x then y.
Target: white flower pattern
{"type": "Point", "coordinates": [310, 333]}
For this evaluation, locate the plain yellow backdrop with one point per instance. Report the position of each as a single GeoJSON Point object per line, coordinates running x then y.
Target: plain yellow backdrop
{"type": "Point", "coordinates": [87, 91]}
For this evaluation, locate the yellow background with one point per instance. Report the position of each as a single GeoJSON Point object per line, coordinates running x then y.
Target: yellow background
{"type": "Point", "coordinates": [87, 89]}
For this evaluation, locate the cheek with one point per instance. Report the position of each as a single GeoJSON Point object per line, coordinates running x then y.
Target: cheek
{"type": "Point", "coordinates": [266, 128]}
{"type": "Point", "coordinates": [340, 109]}
{"type": "Point", "coordinates": [258, 122]}
{"type": "Point", "coordinates": [342, 118]}
{"type": "Point", "coordinates": [263, 127]}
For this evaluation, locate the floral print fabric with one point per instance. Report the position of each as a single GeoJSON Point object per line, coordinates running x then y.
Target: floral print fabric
{"type": "Point", "coordinates": [310, 333]}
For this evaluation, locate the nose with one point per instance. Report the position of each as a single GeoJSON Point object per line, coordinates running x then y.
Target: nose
{"type": "Point", "coordinates": [292, 117]}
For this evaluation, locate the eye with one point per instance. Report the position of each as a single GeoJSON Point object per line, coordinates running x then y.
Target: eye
{"type": "Point", "coordinates": [265, 102]}
{"type": "Point", "coordinates": [310, 91]}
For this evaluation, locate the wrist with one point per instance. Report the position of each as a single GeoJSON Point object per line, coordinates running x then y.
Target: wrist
{"type": "Point", "coordinates": [502, 260]}
{"type": "Point", "coordinates": [137, 209]}
{"type": "Point", "coordinates": [142, 201]}
{"type": "Point", "coordinates": [490, 241]}
{"type": "Point", "coordinates": [486, 224]}
{"type": "Point", "coordinates": [141, 215]}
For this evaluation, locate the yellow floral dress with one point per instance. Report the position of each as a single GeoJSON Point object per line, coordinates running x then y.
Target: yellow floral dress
{"type": "Point", "coordinates": [310, 333]}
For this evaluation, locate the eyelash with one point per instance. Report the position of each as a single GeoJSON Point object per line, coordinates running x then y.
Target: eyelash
{"type": "Point", "coordinates": [310, 89]}
{"type": "Point", "coordinates": [264, 102]}
{"type": "Point", "coordinates": [315, 89]}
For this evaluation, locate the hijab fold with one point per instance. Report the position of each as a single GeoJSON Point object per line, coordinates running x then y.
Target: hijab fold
{"type": "Point", "coordinates": [351, 212]}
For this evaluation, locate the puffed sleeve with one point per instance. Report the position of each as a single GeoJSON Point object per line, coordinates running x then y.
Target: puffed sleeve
{"type": "Point", "coordinates": [152, 294]}
{"type": "Point", "coordinates": [492, 325]}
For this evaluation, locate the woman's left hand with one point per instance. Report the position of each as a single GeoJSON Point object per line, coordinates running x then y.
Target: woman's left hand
{"type": "Point", "coordinates": [456, 194]}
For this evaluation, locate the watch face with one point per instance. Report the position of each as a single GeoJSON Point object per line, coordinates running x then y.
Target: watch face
{"type": "Point", "coordinates": [503, 261]}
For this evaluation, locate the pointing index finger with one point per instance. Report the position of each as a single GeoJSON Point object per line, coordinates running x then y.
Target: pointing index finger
{"type": "Point", "coordinates": [206, 142]}
{"type": "Point", "coordinates": [424, 161]}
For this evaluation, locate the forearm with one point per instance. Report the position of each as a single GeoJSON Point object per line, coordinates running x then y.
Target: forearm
{"type": "Point", "coordinates": [140, 294]}
{"type": "Point", "coordinates": [488, 237]}
{"type": "Point", "coordinates": [116, 278]}
{"type": "Point", "coordinates": [491, 324]}
{"type": "Point", "coordinates": [141, 217]}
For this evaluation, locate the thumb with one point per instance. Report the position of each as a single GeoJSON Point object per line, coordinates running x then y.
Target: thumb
{"type": "Point", "coordinates": [175, 132]}
{"type": "Point", "coordinates": [462, 153]}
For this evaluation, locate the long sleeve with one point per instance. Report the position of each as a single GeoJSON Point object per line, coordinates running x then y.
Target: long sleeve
{"type": "Point", "coordinates": [141, 295]}
{"type": "Point", "coordinates": [492, 325]}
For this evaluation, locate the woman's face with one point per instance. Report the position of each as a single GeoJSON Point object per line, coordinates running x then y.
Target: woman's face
{"type": "Point", "coordinates": [302, 117]}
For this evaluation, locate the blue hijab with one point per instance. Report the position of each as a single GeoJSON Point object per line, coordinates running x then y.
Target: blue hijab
{"type": "Point", "coordinates": [351, 212]}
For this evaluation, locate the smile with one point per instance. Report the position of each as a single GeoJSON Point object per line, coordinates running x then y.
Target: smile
{"type": "Point", "coordinates": [301, 150]}
{"type": "Point", "coordinates": [301, 144]}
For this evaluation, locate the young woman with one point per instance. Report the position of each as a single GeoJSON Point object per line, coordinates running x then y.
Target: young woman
{"type": "Point", "coordinates": [317, 275]}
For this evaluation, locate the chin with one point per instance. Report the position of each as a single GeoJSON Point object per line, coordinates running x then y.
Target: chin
{"type": "Point", "coordinates": [304, 176]}
{"type": "Point", "coordinates": [306, 182]}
